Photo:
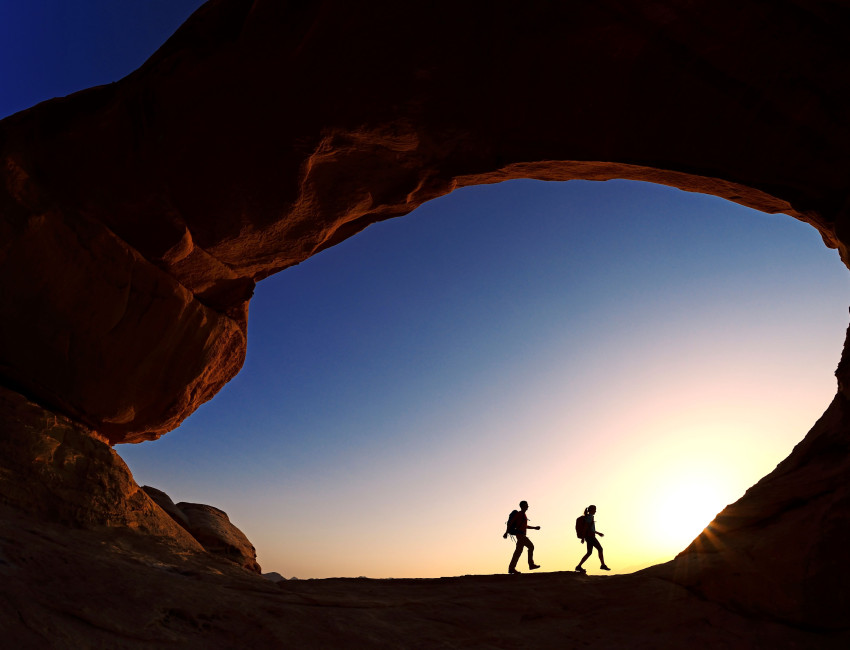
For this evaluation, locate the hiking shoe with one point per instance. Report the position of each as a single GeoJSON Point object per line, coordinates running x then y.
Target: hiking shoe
{"type": "Point", "coordinates": [531, 567]}
{"type": "Point", "coordinates": [580, 570]}
{"type": "Point", "coordinates": [605, 568]}
{"type": "Point", "coordinates": [513, 571]}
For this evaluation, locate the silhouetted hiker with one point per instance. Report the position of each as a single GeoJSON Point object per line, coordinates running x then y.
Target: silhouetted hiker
{"type": "Point", "coordinates": [518, 525]}
{"type": "Point", "coordinates": [589, 538]}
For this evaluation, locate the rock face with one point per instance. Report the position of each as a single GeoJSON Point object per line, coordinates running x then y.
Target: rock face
{"type": "Point", "coordinates": [57, 470]}
{"type": "Point", "coordinates": [211, 527]}
{"type": "Point", "coordinates": [164, 501]}
{"type": "Point", "coordinates": [135, 218]}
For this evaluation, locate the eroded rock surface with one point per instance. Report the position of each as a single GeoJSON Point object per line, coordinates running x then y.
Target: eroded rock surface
{"type": "Point", "coordinates": [211, 527]}
{"type": "Point", "coordinates": [56, 469]}
{"type": "Point", "coordinates": [164, 501]}
{"type": "Point", "coordinates": [135, 219]}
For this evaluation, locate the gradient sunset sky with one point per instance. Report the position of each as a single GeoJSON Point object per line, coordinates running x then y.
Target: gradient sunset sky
{"type": "Point", "coordinates": [647, 350]}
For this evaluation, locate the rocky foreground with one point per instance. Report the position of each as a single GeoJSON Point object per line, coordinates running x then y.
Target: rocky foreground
{"type": "Point", "coordinates": [112, 588]}
{"type": "Point", "coordinates": [136, 218]}
{"type": "Point", "coordinates": [89, 559]}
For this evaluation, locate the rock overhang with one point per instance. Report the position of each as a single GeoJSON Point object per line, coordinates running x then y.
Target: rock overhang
{"type": "Point", "coordinates": [137, 217]}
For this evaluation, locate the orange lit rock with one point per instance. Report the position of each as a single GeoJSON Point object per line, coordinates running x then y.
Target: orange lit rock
{"type": "Point", "coordinates": [57, 470]}
{"type": "Point", "coordinates": [135, 219]}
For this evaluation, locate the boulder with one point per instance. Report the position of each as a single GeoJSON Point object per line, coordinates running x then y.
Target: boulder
{"type": "Point", "coordinates": [55, 469]}
{"type": "Point", "coordinates": [164, 501]}
{"type": "Point", "coordinates": [213, 530]}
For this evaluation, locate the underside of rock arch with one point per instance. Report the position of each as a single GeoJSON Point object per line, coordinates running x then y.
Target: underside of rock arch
{"type": "Point", "coordinates": [136, 218]}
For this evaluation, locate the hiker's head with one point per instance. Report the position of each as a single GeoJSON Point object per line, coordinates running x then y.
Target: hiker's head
{"type": "Point", "coordinates": [523, 505]}
{"type": "Point", "coordinates": [590, 510]}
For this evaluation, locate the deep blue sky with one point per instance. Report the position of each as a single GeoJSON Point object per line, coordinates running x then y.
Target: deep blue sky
{"type": "Point", "coordinates": [619, 342]}
{"type": "Point", "coordinates": [51, 48]}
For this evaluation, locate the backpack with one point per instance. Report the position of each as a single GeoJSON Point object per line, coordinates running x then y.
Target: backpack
{"type": "Point", "coordinates": [513, 529]}
{"type": "Point", "coordinates": [581, 527]}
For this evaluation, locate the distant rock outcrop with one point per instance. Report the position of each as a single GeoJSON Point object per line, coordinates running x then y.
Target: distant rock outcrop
{"type": "Point", "coordinates": [274, 576]}
{"type": "Point", "coordinates": [136, 217]}
{"type": "Point", "coordinates": [211, 527]}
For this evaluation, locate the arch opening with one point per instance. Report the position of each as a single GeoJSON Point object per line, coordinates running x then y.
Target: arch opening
{"type": "Point", "coordinates": [627, 345]}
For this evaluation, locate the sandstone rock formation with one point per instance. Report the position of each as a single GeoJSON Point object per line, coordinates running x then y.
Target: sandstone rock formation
{"type": "Point", "coordinates": [164, 501]}
{"type": "Point", "coordinates": [274, 576]}
{"type": "Point", "coordinates": [247, 143]}
{"type": "Point", "coordinates": [135, 219]}
{"type": "Point", "coordinates": [56, 469]}
{"type": "Point", "coordinates": [211, 527]}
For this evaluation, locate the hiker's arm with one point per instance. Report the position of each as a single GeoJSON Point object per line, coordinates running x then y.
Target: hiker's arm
{"type": "Point", "coordinates": [600, 534]}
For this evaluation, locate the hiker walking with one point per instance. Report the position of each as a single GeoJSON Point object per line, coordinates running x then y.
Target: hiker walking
{"type": "Point", "coordinates": [589, 538]}
{"type": "Point", "coordinates": [518, 525]}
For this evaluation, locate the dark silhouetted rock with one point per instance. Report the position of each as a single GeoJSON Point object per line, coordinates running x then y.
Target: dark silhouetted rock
{"type": "Point", "coordinates": [274, 576]}
{"type": "Point", "coordinates": [212, 528]}
{"type": "Point", "coordinates": [136, 217]}
{"type": "Point", "coordinates": [164, 501]}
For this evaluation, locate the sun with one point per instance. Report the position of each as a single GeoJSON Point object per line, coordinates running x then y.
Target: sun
{"type": "Point", "coordinates": [685, 502]}
{"type": "Point", "coordinates": [691, 505]}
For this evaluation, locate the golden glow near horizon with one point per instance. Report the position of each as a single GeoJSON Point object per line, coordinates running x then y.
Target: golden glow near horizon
{"type": "Point", "coordinates": [657, 484]}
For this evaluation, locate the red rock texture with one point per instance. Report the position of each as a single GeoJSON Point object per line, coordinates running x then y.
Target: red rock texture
{"type": "Point", "coordinates": [211, 527]}
{"type": "Point", "coordinates": [55, 469]}
{"type": "Point", "coordinates": [164, 501]}
{"type": "Point", "coordinates": [135, 219]}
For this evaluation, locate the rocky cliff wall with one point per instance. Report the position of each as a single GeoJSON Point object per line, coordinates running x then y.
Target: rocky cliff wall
{"type": "Point", "coordinates": [135, 218]}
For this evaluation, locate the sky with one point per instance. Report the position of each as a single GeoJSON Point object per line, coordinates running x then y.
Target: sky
{"type": "Point", "coordinates": [647, 350]}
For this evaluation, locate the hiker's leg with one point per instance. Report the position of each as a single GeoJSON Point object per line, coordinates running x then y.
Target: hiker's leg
{"type": "Point", "coordinates": [589, 551]}
{"type": "Point", "coordinates": [530, 552]}
{"type": "Point", "coordinates": [517, 552]}
{"type": "Point", "coordinates": [601, 556]}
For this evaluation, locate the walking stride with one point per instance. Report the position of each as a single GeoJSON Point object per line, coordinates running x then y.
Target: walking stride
{"type": "Point", "coordinates": [518, 526]}
{"type": "Point", "coordinates": [586, 531]}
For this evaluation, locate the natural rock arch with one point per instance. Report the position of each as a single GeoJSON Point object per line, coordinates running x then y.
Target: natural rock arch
{"type": "Point", "coordinates": [136, 217]}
